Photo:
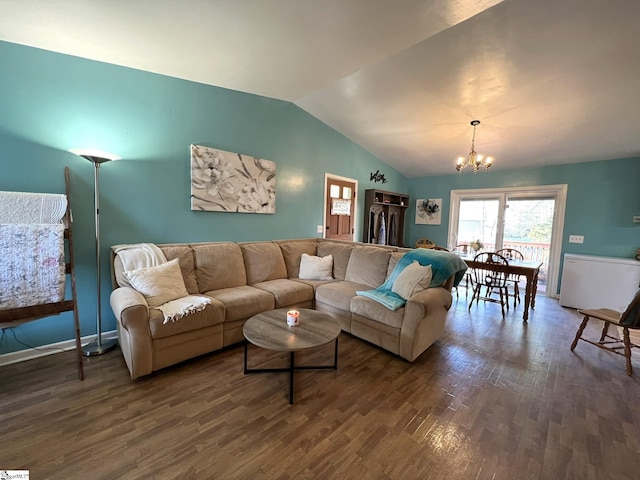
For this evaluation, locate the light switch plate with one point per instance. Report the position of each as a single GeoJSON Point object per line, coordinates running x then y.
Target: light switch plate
{"type": "Point", "coordinates": [576, 238]}
{"type": "Point", "coordinates": [636, 219]}
{"type": "Point", "coordinates": [319, 229]}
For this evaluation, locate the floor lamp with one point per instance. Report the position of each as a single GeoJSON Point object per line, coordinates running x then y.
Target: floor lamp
{"type": "Point", "coordinates": [97, 158]}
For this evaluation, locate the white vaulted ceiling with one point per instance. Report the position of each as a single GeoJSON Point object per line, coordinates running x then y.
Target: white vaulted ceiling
{"type": "Point", "coordinates": [552, 81]}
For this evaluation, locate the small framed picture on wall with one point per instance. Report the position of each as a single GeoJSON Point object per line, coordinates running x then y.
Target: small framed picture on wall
{"type": "Point", "coordinates": [428, 211]}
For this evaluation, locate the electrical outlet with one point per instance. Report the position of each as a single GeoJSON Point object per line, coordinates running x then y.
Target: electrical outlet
{"type": "Point", "coordinates": [576, 238]}
{"type": "Point", "coordinates": [636, 219]}
{"type": "Point", "coordinates": [319, 229]}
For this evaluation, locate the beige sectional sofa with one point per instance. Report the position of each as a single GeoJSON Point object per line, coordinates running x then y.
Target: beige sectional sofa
{"type": "Point", "coordinates": [246, 278]}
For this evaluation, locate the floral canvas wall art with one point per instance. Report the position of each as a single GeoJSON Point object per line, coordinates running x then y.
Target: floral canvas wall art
{"type": "Point", "coordinates": [231, 182]}
{"type": "Point", "coordinates": [428, 211]}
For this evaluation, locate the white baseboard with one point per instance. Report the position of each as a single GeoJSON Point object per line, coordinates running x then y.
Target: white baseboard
{"type": "Point", "coordinates": [51, 349]}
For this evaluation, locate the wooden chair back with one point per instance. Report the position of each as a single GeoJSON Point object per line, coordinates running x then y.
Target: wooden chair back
{"type": "Point", "coordinates": [485, 275]}
{"type": "Point", "coordinates": [510, 253]}
{"type": "Point", "coordinates": [630, 318]}
{"type": "Point", "coordinates": [461, 248]}
{"type": "Point", "coordinates": [425, 243]}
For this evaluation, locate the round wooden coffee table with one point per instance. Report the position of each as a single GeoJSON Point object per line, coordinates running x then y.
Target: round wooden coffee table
{"type": "Point", "coordinates": [269, 330]}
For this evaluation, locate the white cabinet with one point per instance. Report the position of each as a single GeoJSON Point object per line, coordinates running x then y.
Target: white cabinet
{"type": "Point", "coordinates": [598, 282]}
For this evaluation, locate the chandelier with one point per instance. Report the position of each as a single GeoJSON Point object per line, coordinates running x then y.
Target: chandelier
{"type": "Point", "coordinates": [475, 160]}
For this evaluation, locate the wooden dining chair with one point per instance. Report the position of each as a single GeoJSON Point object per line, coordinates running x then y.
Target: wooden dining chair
{"type": "Point", "coordinates": [463, 249]}
{"type": "Point", "coordinates": [513, 280]}
{"type": "Point", "coordinates": [425, 243]}
{"type": "Point", "coordinates": [493, 281]}
{"type": "Point", "coordinates": [625, 321]}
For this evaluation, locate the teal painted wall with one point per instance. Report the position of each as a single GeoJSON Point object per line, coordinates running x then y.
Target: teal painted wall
{"type": "Point", "coordinates": [51, 102]}
{"type": "Point", "coordinates": [602, 198]}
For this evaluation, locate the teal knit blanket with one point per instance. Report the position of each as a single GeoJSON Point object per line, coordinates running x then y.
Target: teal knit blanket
{"type": "Point", "coordinates": [443, 265]}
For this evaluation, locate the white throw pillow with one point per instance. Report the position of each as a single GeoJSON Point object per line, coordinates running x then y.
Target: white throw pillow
{"type": "Point", "coordinates": [413, 279]}
{"type": "Point", "coordinates": [159, 284]}
{"type": "Point", "coordinates": [316, 268]}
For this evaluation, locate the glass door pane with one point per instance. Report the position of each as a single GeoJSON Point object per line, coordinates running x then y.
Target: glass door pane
{"type": "Point", "coordinates": [529, 219]}
{"type": "Point", "coordinates": [528, 227]}
{"type": "Point", "coordinates": [478, 220]}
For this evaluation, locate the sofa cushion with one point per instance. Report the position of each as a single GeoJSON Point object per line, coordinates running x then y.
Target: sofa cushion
{"type": "Point", "coordinates": [341, 253]}
{"type": "Point", "coordinates": [219, 265]}
{"type": "Point", "coordinates": [287, 292]}
{"type": "Point", "coordinates": [184, 254]}
{"type": "Point", "coordinates": [316, 268]}
{"type": "Point", "coordinates": [213, 314]}
{"type": "Point", "coordinates": [159, 284]}
{"type": "Point", "coordinates": [243, 302]}
{"type": "Point", "coordinates": [375, 332]}
{"type": "Point", "coordinates": [368, 265]}
{"type": "Point", "coordinates": [292, 251]}
{"type": "Point", "coordinates": [338, 294]}
{"type": "Point", "coordinates": [263, 261]}
{"type": "Point", "coordinates": [313, 283]}
{"type": "Point", "coordinates": [368, 308]}
{"type": "Point", "coordinates": [393, 261]}
{"type": "Point", "coordinates": [413, 279]}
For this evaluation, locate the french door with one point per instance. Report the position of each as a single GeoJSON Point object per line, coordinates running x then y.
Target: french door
{"type": "Point", "coordinates": [529, 219]}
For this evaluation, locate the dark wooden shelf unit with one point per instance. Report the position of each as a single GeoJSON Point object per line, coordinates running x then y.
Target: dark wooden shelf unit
{"type": "Point", "coordinates": [392, 207]}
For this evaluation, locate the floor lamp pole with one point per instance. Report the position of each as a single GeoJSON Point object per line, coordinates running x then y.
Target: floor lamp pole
{"type": "Point", "coordinates": [98, 346]}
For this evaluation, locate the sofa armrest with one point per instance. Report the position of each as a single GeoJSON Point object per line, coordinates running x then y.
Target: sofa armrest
{"type": "Point", "coordinates": [448, 284]}
{"type": "Point", "coordinates": [132, 314]}
{"type": "Point", "coordinates": [423, 322]}
{"type": "Point", "coordinates": [124, 299]}
{"type": "Point", "coordinates": [423, 303]}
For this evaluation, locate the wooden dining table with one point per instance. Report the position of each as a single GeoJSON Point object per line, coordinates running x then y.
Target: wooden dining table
{"type": "Point", "coordinates": [530, 269]}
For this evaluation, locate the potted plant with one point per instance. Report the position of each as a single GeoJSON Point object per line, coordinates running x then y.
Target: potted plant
{"type": "Point", "coordinates": [476, 245]}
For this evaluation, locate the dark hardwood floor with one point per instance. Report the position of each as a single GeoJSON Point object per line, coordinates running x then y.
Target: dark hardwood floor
{"type": "Point", "coordinates": [492, 399]}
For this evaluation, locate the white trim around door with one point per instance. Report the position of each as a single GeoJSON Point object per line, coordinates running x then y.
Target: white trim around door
{"type": "Point", "coordinates": [356, 228]}
{"type": "Point", "coordinates": [558, 192]}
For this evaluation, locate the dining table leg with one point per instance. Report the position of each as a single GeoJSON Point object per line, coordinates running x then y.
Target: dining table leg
{"type": "Point", "coordinates": [530, 293]}
{"type": "Point", "coordinates": [535, 288]}
{"type": "Point", "coordinates": [527, 296]}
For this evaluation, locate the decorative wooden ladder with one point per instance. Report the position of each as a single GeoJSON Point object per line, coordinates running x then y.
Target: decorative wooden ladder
{"type": "Point", "coordinates": [17, 316]}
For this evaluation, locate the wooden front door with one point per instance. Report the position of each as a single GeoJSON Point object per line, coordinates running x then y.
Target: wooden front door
{"type": "Point", "coordinates": [341, 199]}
